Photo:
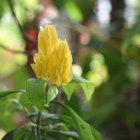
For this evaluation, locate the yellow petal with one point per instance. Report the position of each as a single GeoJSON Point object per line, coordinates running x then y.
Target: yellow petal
{"type": "Point", "coordinates": [47, 40]}
{"type": "Point", "coordinates": [61, 64]}
{"type": "Point", "coordinates": [40, 67]}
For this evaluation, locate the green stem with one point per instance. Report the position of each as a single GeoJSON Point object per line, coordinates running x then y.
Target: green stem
{"type": "Point", "coordinates": [34, 132]}
{"type": "Point", "coordinates": [38, 118]}
{"type": "Point", "coordinates": [36, 129]}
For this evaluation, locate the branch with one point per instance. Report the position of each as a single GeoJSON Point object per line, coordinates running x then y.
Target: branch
{"type": "Point", "coordinates": [11, 50]}
{"type": "Point", "coordinates": [15, 51]}
{"type": "Point", "coordinates": [6, 93]}
{"type": "Point", "coordinates": [25, 35]}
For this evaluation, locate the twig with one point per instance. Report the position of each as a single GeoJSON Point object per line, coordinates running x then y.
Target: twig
{"type": "Point", "coordinates": [6, 93]}
{"type": "Point", "coordinates": [25, 35]}
{"type": "Point", "coordinates": [15, 51]}
{"type": "Point", "coordinates": [11, 50]}
{"type": "Point", "coordinates": [31, 119]}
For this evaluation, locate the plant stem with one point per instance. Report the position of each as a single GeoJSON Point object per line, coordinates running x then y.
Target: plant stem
{"type": "Point", "coordinates": [38, 118]}
{"type": "Point", "coordinates": [25, 35]}
{"type": "Point", "coordinates": [36, 129]}
{"type": "Point", "coordinates": [38, 125]}
{"type": "Point", "coordinates": [57, 109]}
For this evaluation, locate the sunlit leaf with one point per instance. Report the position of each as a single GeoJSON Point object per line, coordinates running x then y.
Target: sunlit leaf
{"type": "Point", "coordinates": [69, 89]}
{"type": "Point", "coordinates": [35, 89]}
{"type": "Point", "coordinates": [87, 86]}
{"type": "Point", "coordinates": [78, 79]}
{"type": "Point", "coordinates": [84, 129]}
{"type": "Point", "coordinates": [88, 89]}
{"type": "Point", "coordinates": [96, 134]}
{"type": "Point", "coordinates": [25, 101]}
{"type": "Point", "coordinates": [52, 93]}
{"type": "Point", "coordinates": [73, 11]}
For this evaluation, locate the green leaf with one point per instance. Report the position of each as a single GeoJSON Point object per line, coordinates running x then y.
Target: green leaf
{"type": "Point", "coordinates": [84, 129]}
{"type": "Point", "coordinates": [22, 134]}
{"type": "Point", "coordinates": [78, 79]}
{"type": "Point", "coordinates": [3, 7]}
{"type": "Point", "coordinates": [67, 120]}
{"type": "Point", "coordinates": [73, 11]}
{"type": "Point", "coordinates": [96, 134]}
{"type": "Point", "coordinates": [130, 46]}
{"type": "Point", "coordinates": [69, 89]}
{"type": "Point", "coordinates": [52, 93]}
{"type": "Point", "coordinates": [25, 101]}
{"type": "Point", "coordinates": [87, 86]}
{"type": "Point", "coordinates": [88, 89]}
{"type": "Point", "coordinates": [18, 134]}
{"type": "Point", "coordinates": [7, 96]}
{"type": "Point", "coordinates": [9, 135]}
{"type": "Point", "coordinates": [6, 93]}
{"type": "Point", "coordinates": [71, 134]}
{"type": "Point", "coordinates": [35, 89]}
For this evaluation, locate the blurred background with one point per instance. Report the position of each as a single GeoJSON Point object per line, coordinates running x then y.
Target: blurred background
{"type": "Point", "coordinates": [104, 38]}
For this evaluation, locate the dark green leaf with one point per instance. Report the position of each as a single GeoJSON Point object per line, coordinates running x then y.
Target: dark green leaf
{"type": "Point", "coordinates": [22, 134]}
{"type": "Point", "coordinates": [9, 136]}
{"type": "Point", "coordinates": [18, 134]}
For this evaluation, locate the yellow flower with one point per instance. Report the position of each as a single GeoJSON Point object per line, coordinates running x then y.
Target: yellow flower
{"type": "Point", "coordinates": [53, 62]}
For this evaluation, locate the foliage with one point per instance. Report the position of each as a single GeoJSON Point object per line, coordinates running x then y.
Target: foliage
{"type": "Point", "coordinates": [53, 68]}
{"type": "Point", "coordinates": [35, 99]}
{"type": "Point", "coordinates": [104, 40]}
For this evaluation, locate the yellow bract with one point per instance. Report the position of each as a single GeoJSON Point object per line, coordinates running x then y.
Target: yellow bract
{"type": "Point", "coordinates": [53, 62]}
{"type": "Point", "coordinates": [47, 40]}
